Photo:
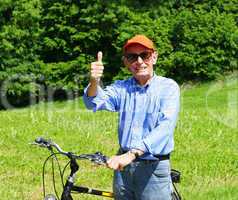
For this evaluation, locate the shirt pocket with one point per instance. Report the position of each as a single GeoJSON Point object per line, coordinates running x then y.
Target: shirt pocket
{"type": "Point", "coordinates": [152, 115]}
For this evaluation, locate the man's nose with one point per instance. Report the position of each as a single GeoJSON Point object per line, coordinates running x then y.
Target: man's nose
{"type": "Point", "coordinates": [140, 60]}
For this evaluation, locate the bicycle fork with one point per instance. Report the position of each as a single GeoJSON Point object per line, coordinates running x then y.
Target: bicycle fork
{"type": "Point", "coordinates": [66, 195]}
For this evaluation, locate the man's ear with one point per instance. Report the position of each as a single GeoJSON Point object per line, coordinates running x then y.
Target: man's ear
{"type": "Point", "coordinates": [126, 64]}
{"type": "Point", "coordinates": [154, 57]}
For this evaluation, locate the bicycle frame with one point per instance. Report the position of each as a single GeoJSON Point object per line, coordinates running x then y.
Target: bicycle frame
{"type": "Point", "coordinates": [69, 186]}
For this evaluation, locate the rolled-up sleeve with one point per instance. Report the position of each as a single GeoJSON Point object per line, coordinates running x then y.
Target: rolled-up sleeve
{"type": "Point", "coordinates": [106, 99]}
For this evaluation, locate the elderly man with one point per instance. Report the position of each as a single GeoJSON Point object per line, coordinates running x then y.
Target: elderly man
{"type": "Point", "coordinates": [148, 106]}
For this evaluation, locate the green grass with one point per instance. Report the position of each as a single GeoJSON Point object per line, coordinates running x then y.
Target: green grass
{"type": "Point", "coordinates": [206, 143]}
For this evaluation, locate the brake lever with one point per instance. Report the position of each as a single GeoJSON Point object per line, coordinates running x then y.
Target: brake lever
{"type": "Point", "coordinates": [99, 158]}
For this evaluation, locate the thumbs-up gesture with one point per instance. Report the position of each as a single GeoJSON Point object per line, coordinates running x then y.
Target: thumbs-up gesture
{"type": "Point", "coordinates": [97, 67]}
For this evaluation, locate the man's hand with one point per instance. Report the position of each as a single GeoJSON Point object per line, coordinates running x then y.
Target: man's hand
{"type": "Point", "coordinates": [97, 67]}
{"type": "Point", "coordinates": [120, 161]}
{"type": "Point", "coordinates": [96, 72]}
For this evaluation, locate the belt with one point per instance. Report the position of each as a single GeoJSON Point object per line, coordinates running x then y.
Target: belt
{"type": "Point", "coordinates": [163, 157]}
{"type": "Point", "coordinates": [159, 157]}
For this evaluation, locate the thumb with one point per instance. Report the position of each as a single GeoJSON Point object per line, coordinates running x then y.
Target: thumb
{"type": "Point", "coordinates": [99, 56]}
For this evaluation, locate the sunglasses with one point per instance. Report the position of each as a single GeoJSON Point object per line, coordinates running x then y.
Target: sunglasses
{"type": "Point", "coordinates": [132, 57]}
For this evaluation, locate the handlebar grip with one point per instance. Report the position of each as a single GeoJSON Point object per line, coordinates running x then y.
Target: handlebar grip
{"type": "Point", "coordinates": [41, 140]}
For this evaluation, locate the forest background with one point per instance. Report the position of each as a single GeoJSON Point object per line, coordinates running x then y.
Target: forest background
{"type": "Point", "coordinates": [46, 46]}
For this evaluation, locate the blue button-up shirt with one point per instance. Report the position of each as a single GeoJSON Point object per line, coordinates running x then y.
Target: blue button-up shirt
{"type": "Point", "coordinates": [147, 114]}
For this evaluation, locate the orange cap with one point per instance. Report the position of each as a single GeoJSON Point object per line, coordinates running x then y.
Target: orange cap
{"type": "Point", "coordinates": [140, 39]}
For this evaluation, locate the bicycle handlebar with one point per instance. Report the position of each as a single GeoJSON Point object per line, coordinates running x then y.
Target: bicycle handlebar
{"type": "Point", "coordinates": [97, 157]}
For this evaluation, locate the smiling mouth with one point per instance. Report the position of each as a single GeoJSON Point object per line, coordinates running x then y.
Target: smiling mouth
{"type": "Point", "coordinates": [141, 69]}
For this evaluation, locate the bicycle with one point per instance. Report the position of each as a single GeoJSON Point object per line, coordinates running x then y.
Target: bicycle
{"type": "Point", "coordinates": [69, 187]}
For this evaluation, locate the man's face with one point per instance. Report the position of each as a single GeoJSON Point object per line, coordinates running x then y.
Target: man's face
{"type": "Point", "coordinates": [139, 60]}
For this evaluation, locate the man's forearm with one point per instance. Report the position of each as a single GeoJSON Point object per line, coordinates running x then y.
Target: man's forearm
{"type": "Point", "coordinates": [92, 89]}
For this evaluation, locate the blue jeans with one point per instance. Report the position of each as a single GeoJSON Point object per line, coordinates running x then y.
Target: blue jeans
{"type": "Point", "coordinates": [143, 180]}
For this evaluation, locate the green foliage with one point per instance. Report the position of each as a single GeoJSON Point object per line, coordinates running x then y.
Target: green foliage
{"type": "Point", "coordinates": [204, 45]}
{"type": "Point", "coordinates": [71, 75]}
{"type": "Point", "coordinates": [20, 33]}
{"type": "Point", "coordinates": [55, 41]}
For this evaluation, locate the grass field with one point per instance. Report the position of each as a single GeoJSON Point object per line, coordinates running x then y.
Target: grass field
{"type": "Point", "coordinates": [206, 138]}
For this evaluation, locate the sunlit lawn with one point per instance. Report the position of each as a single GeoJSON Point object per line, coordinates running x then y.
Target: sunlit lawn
{"type": "Point", "coordinates": [206, 150]}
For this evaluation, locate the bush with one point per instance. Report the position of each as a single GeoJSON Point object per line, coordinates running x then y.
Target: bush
{"type": "Point", "coordinates": [204, 45]}
{"type": "Point", "coordinates": [50, 44]}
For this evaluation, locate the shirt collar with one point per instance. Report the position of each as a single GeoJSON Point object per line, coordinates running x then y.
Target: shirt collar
{"type": "Point", "coordinates": [147, 85]}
